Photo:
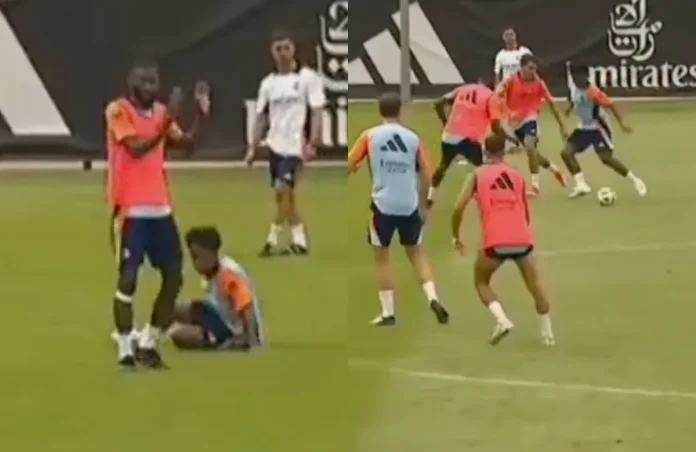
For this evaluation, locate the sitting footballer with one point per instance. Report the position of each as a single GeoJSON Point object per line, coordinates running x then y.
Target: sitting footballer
{"type": "Point", "coordinates": [230, 319]}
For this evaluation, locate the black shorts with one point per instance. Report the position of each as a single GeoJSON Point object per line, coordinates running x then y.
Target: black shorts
{"type": "Point", "coordinates": [527, 129]}
{"type": "Point", "coordinates": [284, 169]}
{"type": "Point", "coordinates": [383, 227]}
{"type": "Point", "coordinates": [154, 239]}
{"type": "Point", "coordinates": [598, 139]}
{"type": "Point", "coordinates": [503, 253]}
{"type": "Point", "coordinates": [217, 333]}
{"type": "Point", "coordinates": [471, 150]}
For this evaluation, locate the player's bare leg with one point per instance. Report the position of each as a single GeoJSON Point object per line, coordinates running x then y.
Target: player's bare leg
{"type": "Point", "coordinates": [279, 220]}
{"type": "Point", "coordinates": [299, 245]}
{"type": "Point", "coordinates": [439, 175]}
{"type": "Point", "coordinates": [123, 317]}
{"type": "Point", "coordinates": [581, 187]}
{"type": "Point", "coordinates": [161, 318]}
{"type": "Point", "coordinates": [385, 282]}
{"type": "Point", "coordinates": [530, 273]}
{"type": "Point", "coordinates": [608, 159]}
{"type": "Point", "coordinates": [421, 266]}
{"type": "Point", "coordinates": [484, 269]}
{"type": "Point", "coordinates": [536, 161]}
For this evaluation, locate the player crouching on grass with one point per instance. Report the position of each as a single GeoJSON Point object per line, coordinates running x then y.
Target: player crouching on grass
{"type": "Point", "coordinates": [285, 97]}
{"type": "Point", "coordinates": [230, 319]}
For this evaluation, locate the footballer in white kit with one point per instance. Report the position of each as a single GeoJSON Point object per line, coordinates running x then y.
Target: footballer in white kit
{"type": "Point", "coordinates": [507, 61]}
{"type": "Point", "coordinates": [289, 112]}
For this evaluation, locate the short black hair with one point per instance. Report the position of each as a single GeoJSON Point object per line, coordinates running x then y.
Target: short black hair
{"type": "Point", "coordinates": [495, 144]}
{"type": "Point", "coordinates": [207, 237]}
{"type": "Point", "coordinates": [389, 105]}
{"type": "Point", "coordinates": [579, 69]}
{"type": "Point", "coordinates": [528, 58]}
{"type": "Point", "coordinates": [280, 34]}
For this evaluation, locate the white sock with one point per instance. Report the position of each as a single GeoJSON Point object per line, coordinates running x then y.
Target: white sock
{"type": "Point", "coordinates": [149, 337]}
{"type": "Point", "coordinates": [274, 233]}
{"type": "Point", "coordinates": [431, 193]}
{"type": "Point", "coordinates": [430, 292]}
{"type": "Point", "coordinates": [125, 345]}
{"type": "Point", "coordinates": [632, 176]}
{"type": "Point", "coordinates": [386, 299]}
{"type": "Point", "coordinates": [498, 312]}
{"type": "Point", "coordinates": [298, 235]}
{"type": "Point", "coordinates": [535, 180]}
{"type": "Point", "coordinates": [546, 328]}
{"type": "Point", "coordinates": [580, 180]}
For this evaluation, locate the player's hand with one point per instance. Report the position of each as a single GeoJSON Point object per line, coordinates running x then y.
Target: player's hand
{"type": "Point", "coordinates": [309, 152]}
{"type": "Point", "coordinates": [174, 103]}
{"type": "Point", "coordinates": [626, 129]}
{"type": "Point", "coordinates": [459, 246]}
{"type": "Point", "coordinates": [250, 155]}
{"type": "Point", "coordinates": [201, 94]}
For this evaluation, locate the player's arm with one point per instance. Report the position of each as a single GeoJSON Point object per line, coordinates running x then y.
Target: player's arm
{"type": "Point", "coordinates": [261, 121]}
{"type": "Point", "coordinates": [358, 153]}
{"type": "Point", "coordinates": [424, 171]}
{"type": "Point", "coordinates": [443, 103]}
{"type": "Point", "coordinates": [548, 99]}
{"type": "Point", "coordinates": [120, 127]}
{"type": "Point", "coordinates": [465, 197]}
{"type": "Point", "coordinates": [601, 98]}
{"type": "Point", "coordinates": [495, 115]}
{"type": "Point", "coordinates": [571, 87]}
{"type": "Point", "coordinates": [316, 99]}
{"type": "Point", "coordinates": [498, 68]}
{"type": "Point", "coordinates": [242, 298]}
{"type": "Point", "coordinates": [188, 140]}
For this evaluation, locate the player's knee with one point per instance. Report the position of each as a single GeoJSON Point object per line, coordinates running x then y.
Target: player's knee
{"type": "Point", "coordinates": [567, 153]}
{"type": "Point", "coordinates": [172, 280]}
{"type": "Point", "coordinates": [127, 282]}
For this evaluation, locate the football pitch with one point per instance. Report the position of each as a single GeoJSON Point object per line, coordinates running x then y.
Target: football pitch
{"type": "Point", "coordinates": [620, 379]}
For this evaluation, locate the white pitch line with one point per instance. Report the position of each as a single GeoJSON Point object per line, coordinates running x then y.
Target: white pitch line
{"type": "Point", "coordinates": [531, 384]}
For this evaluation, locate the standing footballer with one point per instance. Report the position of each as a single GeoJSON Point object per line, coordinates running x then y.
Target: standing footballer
{"type": "Point", "coordinates": [284, 98]}
{"type": "Point", "coordinates": [138, 131]}
{"type": "Point", "coordinates": [507, 61]}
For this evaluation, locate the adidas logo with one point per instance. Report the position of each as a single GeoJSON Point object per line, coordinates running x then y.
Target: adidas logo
{"type": "Point", "coordinates": [396, 144]}
{"type": "Point", "coordinates": [381, 61]}
{"type": "Point", "coordinates": [503, 182]}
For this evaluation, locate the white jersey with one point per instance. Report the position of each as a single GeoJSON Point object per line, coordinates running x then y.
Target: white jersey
{"type": "Point", "coordinates": [508, 61]}
{"type": "Point", "coordinates": [287, 98]}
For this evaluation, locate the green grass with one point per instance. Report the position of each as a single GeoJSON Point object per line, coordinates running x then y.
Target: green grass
{"type": "Point", "coordinates": [623, 317]}
{"type": "Point", "coordinates": [623, 320]}
{"type": "Point", "coordinates": [61, 390]}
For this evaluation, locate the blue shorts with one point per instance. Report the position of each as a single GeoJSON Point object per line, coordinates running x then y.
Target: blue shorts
{"type": "Point", "coordinates": [471, 150]}
{"type": "Point", "coordinates": [383, 226]}
{"type": "Point", "coordinates": [217, 332]}
{"type": "Point", "coordinates": [283, 169]}
{"type": "Point", "coordinates": [154, 239]}
{"type": "Point", "coordinates": [599, 139]}
{"type": "Point", "coordinates": [527, 129]}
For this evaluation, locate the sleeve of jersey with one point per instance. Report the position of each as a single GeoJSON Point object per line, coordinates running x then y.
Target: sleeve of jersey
{"type": "Point", "coordinates": [262, 99]}
{"type": "Point", "coordinates": [119, 123]}
{"type": "Point", "coordinates": [358, 152]}
{"type": "Point", "coordinates": [316, 96]}
{"type": "Point", "coordinates": [238, 292]}
{"type": "Point", "coordinates": [599, 97]}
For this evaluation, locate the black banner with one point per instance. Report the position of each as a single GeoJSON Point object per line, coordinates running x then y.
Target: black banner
{"type": "Point", "coordinates": [68, 58]}
{"type": "Point", "coordinates": [634, 47]}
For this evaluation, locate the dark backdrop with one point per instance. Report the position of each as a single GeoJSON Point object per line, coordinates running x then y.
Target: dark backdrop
{"type": "Point", "coordinates": [82, 50]}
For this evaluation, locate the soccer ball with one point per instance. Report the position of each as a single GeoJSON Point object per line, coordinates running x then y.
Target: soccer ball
{"type": "Point", "coordinates": [606, 197]}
